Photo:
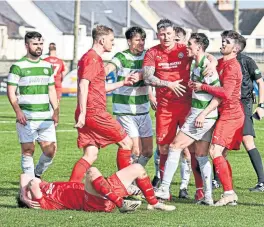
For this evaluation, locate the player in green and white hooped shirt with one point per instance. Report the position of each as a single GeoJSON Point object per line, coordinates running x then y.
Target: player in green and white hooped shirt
{"type": "Point", "coordinates": [199, 124]}
{"type": "Point", "coordinates": [31, 90]}
{"type": "Point", "coordinates": [131, 103]}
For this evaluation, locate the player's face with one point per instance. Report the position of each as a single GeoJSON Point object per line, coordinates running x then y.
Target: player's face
{"type": "Point", "coordinates": [35, 47]}
{"type": "Point", "coordinates": [192, 48]}
{"type": "Point", "coordinates": [228, 46]}
{"type": "Point", "coordinates": [180, 38]}
{"type": "Point", "coordinates": [108, 42]}
{"type": "Point", "coordinates": [136, 44]}
{"type": "Point", "coordinates": [166, 36]}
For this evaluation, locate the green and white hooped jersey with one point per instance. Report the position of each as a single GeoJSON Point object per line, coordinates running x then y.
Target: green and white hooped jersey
{"type": "Point", "coordinates": [129, 100]}
{"type": "Point", "coordinates": [33, 80]}
{"type": "Point", "coordinates": [201, 99]}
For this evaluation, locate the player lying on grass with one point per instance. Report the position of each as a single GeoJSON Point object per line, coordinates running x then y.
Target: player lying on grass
{"type": "Point", "coordinates": [97, 194]}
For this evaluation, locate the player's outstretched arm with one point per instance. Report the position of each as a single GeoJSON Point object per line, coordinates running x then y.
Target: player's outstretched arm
{"type": "Point", "coordinates": [54, 103]}
{"type": "Point", "coordinates": [215, 102]}
{"type": "Point", "coordinates": [150, 79]}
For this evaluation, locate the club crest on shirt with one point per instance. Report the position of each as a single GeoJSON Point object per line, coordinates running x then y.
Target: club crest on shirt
{"type": "Point", "coordinates": [221, 72]}
{"type": "Point", "coordinates": [158, 57]}
{"type": "Point", "coordinates": [46, 71]}
{"type": "Point", "coordinates": [180, 55]}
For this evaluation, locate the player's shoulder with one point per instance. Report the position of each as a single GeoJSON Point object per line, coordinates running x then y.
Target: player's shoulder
{"type": "Point", "coordinates": [154, 49]}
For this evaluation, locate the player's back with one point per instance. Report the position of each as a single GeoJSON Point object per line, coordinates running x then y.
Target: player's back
{"type": "Point", "coordinates": [62, 195]}
{"type": "Point", "coordinates": [58, 68]}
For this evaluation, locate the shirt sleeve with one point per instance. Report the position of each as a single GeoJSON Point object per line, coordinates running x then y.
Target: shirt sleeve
{"type": "Point", "coordinates": [149, 59]}
{"type": "Point", "coordinates": [14, 75]}
{"type": "Point", "coordinates": [117, 60]}
{"type": "Point", "coordinates": [253, 69]}
{"type": "Point", "coordinates": [88, 69]}
{"type": "Point", "coordinates": [229, 75]}
{"type": "Point", "coordinates": [51, 79]}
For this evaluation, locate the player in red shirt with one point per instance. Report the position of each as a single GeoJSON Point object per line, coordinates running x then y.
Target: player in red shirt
{"type": "Point", "coordinates": [229, 127]}
{"type": "Point", "coordinates": [167, 67]}
{"type": "Point", "coordinates": [97, 194]}
{"type": "Point", "coordinates": [96, 127]}
{"type": "Point", "coordinates": [59, 68]}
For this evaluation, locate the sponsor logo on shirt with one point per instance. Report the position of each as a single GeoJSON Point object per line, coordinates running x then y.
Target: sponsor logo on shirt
{"type": "Point", "coordinates": [169, 65]}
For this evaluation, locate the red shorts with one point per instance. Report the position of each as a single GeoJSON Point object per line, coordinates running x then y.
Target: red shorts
{"type": "Point", "coordinates": [99, 204]}
{"type": "Point", "coordinates": [228, 131]}
{"type": "Point", "coordinates": [99, 130]}
{"type": "Point", "coordinates": [167, 121]}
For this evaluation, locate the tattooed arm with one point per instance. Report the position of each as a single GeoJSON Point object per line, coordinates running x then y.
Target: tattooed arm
{"type": "Point", "coordinates": [151, 80]}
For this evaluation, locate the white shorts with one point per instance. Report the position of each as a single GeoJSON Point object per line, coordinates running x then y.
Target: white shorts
{"type": "Point", "coordinates": [136, 126]}
{"type": "Point", "coordinates": [36, 130]}
{"type": "Point", "coordinates": [204, 133]}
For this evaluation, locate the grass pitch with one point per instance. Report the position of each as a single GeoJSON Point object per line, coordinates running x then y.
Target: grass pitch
{"type": "Point", "coordinates": [249, 212]}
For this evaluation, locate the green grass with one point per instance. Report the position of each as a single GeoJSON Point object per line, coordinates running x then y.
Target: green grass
{"type": "Point", "coordinates": [249, 212]}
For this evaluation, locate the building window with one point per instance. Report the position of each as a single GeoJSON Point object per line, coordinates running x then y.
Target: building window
{"type": "Point", "coordinates": [259, 43]}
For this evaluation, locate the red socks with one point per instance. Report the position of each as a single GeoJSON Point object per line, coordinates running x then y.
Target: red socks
{"type": "Point", "coordinates": [223, 170]}
{"type": "Point", "coordinates": [79, 170]}
{"type": "Point", "coordinates": [103, 188]}
{"type": "Point", "coordinates": [229, 168]}
{"type": "Point", "coordinates": [196, 172]}
{"type": "Point", "coordinates": [123, 158]}
{"type": "Point", "coordinates": [163, 159]}
{"type": "Point", "coordinates": [146, 187]}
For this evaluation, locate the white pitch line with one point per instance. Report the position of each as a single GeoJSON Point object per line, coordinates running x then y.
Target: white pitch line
{"type": "Point", "coordinates": [62, 130]}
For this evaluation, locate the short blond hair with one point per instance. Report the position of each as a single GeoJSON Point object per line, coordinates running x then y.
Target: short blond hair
{"type": "Point", "coordinates": [101, 30]}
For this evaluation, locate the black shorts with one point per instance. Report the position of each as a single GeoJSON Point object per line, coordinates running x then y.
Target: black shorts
{"type": "Point", "coordinates": [248, 124]}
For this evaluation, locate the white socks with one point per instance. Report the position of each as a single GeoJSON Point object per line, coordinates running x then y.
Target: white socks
{"type": "Point", "coordinates": [185, 173]}
{"type": "Point", "coordinates": [206, 172]}
{"type": "Point", "coordinates": [27, 165]}
{"type": "Point", "coordinates": [43, 164]}
{"type": "Point", "coordinates": [171, 167]}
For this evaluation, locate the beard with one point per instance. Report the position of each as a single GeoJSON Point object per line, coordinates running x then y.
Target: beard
{"type": "Point", "coordinates": [36, 53]}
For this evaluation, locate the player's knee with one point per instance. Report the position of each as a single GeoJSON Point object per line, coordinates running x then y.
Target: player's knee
{"type": "Point", "coordinates": [92, 173]}
{"type": "Point", "coordinates": [148, 151]}
{"type": "Point", "coordinates": [164, 149]}
{"type": "Point", "coordinates": [28, 150]}
{"type": "Point", "coordinates": [214, 152]}
{"type": "Point", "coordinates": [249, 143]}
{"type": "Point", "coordinates": [139, 169]}
{"type": "Point", "coordinates": [127, 143]}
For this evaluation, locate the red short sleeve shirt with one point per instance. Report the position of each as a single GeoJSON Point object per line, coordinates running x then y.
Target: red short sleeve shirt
{"type": "Point", "coordinates": [91, 67]}
{"type": "Point", "coordinates": [170, 65]}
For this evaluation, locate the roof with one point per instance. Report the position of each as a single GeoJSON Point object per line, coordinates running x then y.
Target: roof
{"type": "Point", "coordinates": [248, 19]}
{"type": "Point", "coordinates": [12, 20]}
{"type": "Point", "coordinates": [209, 16]}
{"type": "Point", "coordinates": [62, 15]}
{"type": "Point", "coordinates": [180, 16]}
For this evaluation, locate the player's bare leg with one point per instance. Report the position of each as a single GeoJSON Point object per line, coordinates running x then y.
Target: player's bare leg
{"type": "Point", "coordinates": [223, 169]}
{"type": "Point", "coordinates": [201, 153]}
{"type": "Point", "coordinates": [147, 150]}
{"type": "Point", "coordinates": [82, 165]}
{"type": "Point", "coordinates": [136, 149]}
{"type": "Point", "coordinates": [48, 152]}
{"type": "Point", "coordinates": [27, 162]}
{"type": "Point", "coordinates": [123, 158]}
{"type": "Point", "coordinates": [180, 142]}
{"type": "Point", "coordinates": [137, 172]}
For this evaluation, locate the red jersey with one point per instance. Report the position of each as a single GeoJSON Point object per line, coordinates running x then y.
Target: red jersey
{"type": "Point", "coordinates": [230, 77]}
{"type": "Point", "coordinates": [170, 65]}
{"type": "Point", "coordinates": [58, 68]}
{"type": "Point", "coordinates": [91, 67]}
{"type": "Point", "coordinates": [61, 196]}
